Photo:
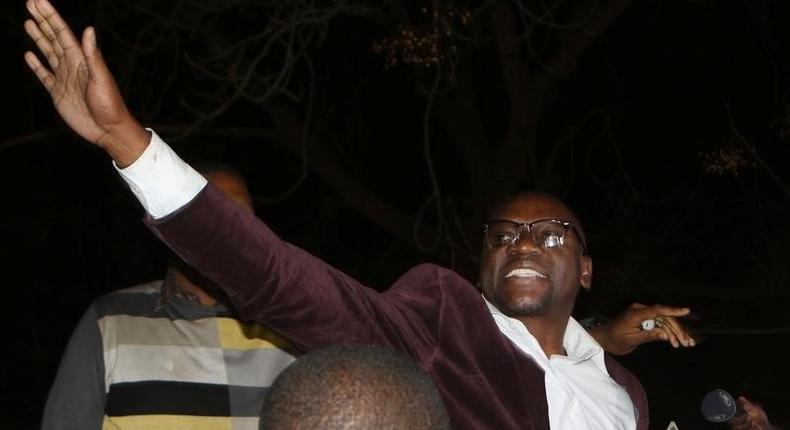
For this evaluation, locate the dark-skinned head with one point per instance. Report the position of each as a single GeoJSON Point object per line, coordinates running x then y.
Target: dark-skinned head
{"type": "Point", "coordinates": [548, 280]}
{"type": "Point", "coordinates": [353, 387]}
{"type": "Point", "coordinates": [230, 182]}
{"type": "Point", "coordinates": [227, 180]}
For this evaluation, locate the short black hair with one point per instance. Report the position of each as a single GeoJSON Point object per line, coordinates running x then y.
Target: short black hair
{"type": "Point", "coordinates": [353, 387]}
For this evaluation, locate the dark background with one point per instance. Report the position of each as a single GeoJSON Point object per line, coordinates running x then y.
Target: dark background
{"type": "Point", "coordinates": [668, 133]}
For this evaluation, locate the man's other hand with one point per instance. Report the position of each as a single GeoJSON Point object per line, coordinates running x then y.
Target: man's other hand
{"type": "Point", "coordinates": [624, 333]}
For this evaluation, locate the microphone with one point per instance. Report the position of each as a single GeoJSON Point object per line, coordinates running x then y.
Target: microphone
{"type": "Point", "coordinates": [719, 406]}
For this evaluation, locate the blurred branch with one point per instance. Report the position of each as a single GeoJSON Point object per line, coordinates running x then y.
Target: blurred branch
{"type": "Point", "coordinates": [32, 137]}
{"type": "Point", "coordinates": [753, 151]}
{"type": "Point", "coordinates": [326, 165]}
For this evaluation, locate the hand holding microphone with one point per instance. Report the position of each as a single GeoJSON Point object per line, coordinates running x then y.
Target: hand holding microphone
{"type": "Point", "coordinates": [718, 406]}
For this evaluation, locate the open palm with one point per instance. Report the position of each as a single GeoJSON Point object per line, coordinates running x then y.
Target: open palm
{"type": "Point", "coordinates": [78, 80]}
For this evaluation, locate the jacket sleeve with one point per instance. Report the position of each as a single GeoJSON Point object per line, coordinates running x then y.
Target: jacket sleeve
{"type": "Point", "coordinates": [77, 396]}
{"type": "Point", "coordinates": [286, 288]}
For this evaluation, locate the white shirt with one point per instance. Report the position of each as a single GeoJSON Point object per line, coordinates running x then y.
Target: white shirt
{"type": "Point", "coordinates": [579, 391]}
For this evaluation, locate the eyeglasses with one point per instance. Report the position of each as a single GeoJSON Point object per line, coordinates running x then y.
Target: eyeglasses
{"type": "Point", "coordinates": [546, 233]}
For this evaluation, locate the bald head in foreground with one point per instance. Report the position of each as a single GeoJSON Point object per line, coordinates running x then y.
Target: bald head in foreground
{"type": "Point", "coordinates": [353, 387]}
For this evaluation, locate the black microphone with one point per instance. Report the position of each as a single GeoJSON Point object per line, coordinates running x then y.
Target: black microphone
{"type": "Point", "coordinates": [719, 406]}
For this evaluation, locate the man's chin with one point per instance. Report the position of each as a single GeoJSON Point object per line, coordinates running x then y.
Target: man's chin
{"type": "Point", "coordinates": [520, 299]}
{"type": "Point", "coordinates": [520, 307]}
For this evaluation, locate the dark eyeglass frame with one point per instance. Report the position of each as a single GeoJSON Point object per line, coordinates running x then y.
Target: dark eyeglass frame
{"type": "Point", "coordinates": [521, 226]}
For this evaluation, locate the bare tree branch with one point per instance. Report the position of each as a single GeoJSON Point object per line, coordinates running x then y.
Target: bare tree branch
{"type": "Point", "coordinates": [324, 163]}
{"type": "Point", "coordinates": [580, 38]}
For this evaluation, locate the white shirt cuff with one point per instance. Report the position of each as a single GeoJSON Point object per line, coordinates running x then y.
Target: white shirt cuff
{"type": "Point", "coordinates": [161, 180]}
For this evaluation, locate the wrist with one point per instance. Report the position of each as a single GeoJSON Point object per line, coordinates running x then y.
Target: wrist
{"type": "Point", "coordinates": [126, 142]}
{"type": "Point", "coordinates": [600, 334]}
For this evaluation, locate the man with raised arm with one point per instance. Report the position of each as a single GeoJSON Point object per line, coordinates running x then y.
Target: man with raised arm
{"type": "Point", "coordinates": [509, 358]}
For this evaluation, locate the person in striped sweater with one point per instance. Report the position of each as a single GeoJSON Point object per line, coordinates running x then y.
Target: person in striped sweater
{"type": "Point", "coordinates": [167, 354]}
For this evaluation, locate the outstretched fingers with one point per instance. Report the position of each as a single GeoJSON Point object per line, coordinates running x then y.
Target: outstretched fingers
{"type": "Point", "coordinates": [667, 325]}
{"type": "Point", "coordinates": [53, 26]}
{"type": "Point", "coordinates": [670, 311]}
{"type": "Point", "coordinates": [41, 72]}
{"type": "Point", "coordinates": [42, 42]}
{"type": "Point", "coordinates": [668, 332]}
{"type": "Point", "coordinates": [44, 28]}
{"type": "Point", "coordinates": [63, 34]}
{"type": "Point", "coordinates": [677, 333]}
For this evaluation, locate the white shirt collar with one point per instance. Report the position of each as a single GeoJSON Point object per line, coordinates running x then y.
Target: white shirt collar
{"type": "Point", "coordinates": [578, 343]}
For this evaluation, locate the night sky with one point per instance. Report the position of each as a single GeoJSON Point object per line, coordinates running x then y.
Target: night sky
{"type": "Point", "coordinates": [669, 134]}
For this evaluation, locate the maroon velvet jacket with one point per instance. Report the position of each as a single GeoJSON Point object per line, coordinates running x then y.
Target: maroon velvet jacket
{"type": "Point", "coordinates": [431, 313]}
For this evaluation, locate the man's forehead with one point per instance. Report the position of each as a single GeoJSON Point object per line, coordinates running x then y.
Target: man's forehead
{"type": "Point", "coordinates": [526, 207]}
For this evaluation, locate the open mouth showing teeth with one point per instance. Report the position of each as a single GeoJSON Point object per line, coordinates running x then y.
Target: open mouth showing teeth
{"type": "Point", "coordinates": [524, 273]}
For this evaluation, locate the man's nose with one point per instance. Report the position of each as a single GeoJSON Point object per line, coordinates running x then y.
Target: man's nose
{"type": "Point", "coordinates": [525, 244]}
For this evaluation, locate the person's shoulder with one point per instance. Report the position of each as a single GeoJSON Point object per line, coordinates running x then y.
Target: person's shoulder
{"type": "Point", "coordinates": [146, 289]}
{"type": "Point", "coordinates": [129, 300]}
{"type": "Point", "coordinates": [433, 273]}
{"type": "Point", "coordinates": [434, 280]}
{"type": "Point", "coordinates": [152, 287]}
{"type": "Point", "coordinates": [438, 296]}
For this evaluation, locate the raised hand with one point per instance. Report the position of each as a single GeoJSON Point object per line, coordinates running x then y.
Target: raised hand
{"type": "Point", "coordinates": [82, 88]}
{"type": "Point", "coordinates": [624, 333]}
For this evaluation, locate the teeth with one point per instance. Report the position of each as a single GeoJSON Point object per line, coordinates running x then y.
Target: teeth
{"type": "Point", "coordinates": [524, 273]}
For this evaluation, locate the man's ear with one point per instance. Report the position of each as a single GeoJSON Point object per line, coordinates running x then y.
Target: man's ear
{"type": "Point", "coordinates": [586, 272]}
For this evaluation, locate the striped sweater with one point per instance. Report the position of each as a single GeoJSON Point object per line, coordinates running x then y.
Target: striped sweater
{"type": "Point", "coordinates": [133, 363]}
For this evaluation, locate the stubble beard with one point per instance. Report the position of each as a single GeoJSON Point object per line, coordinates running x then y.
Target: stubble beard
{"type": "Point", "coordinates": [523, 306]}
